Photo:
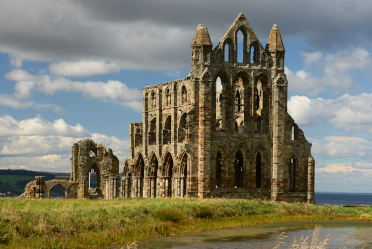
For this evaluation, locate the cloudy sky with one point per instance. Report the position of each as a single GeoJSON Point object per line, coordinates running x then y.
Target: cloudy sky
{"type": "Point", "coordinates": [74, 69]}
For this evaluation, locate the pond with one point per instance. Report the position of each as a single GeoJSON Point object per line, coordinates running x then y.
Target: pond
{"type": "Point", "coordinates": [343, 234]}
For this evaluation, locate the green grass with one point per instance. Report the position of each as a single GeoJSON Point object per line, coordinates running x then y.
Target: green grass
{"type": "Point", "coordinates": [13, 179]}
{"type": "Point", "coordinates": [100, 223]}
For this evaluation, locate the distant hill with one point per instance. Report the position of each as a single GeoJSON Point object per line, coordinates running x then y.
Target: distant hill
{"type": "Point", "coordinates": [14, 181]}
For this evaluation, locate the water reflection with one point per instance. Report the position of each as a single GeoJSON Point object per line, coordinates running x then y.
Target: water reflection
{"type": "Point", "coordinates": [344, 234]}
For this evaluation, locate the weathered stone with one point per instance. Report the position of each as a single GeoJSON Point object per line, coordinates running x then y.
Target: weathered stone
{"type": "Point", "coordinates": [240, 142]}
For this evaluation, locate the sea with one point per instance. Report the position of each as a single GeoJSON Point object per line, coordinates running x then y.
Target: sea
{"type": "Point", "coordinates": [344, 199]}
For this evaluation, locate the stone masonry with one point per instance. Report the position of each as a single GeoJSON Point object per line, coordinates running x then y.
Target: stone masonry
{"type": "Point", "coordinates": [198, 141]}
{"type": "Point", "coordinates": [195, 141]}
{"type": "Point", "coordinates": [86, 157]}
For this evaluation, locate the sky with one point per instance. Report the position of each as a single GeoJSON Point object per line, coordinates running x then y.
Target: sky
{"type": "Point", "coordinates": [73, 69]}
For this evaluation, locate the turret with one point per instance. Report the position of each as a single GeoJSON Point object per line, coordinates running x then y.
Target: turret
{"type": "Point", "coordinates": [201, 47]}
{"type": "Point", "coordinates": [275, 48]}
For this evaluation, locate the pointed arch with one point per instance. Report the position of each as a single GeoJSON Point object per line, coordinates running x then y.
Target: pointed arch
{"type": "Point", "coordinates": [254, 52]}
{"type": "Point", "coordinates": [167, 97]}
{"type": "Point", "coordinates": [184, 95]}
{"type": "Point", "coordinates": [182, 128]}
{"type": "Point", "coordinates": [152, 132]}
{"type": "Point", "coordinates": [167, 132]}
{"type": "Point", "coordinates": [152, 173]}
{"type": "Point", "coordinates": [241, 29]}
{"type": "Point", "coordinates": [168, 173]}
{"type": "Point", "coordinates": [228, 50]}
{"type": "Point", "coordinates": [219, 101]}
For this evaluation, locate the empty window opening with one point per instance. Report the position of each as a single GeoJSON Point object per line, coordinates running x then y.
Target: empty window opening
{"type": "Point", "coordinates": [92, 154]}
{"type": "Point", "coordinates": [92, 179]}
{"type": "Point", "coordinates": [218, 170]}
{"type": "Point", "coordinates": [152, 132]}
{"type": "Point", "coordinates": [240, 47]}
{"type": "Point", "coordinates": [182, 129]}
{"type": "Point", "coordinates": [292, 173]}
{"type": "Point", "coordinates": [167, 130]}
{"type": "Point", "coordinates": [258, 170]}
{"type": "Point", "coordinates": [293, 136]}
{"type": "Point", "coordinates": [227, 52]}
{"type": "Point", "coordinates": [253, 55]}
{"type": "Point", "coordinates": [238, 102]}
{"type": "Point", "coordinates": [218, 103]}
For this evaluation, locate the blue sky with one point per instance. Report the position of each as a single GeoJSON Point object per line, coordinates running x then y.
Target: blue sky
{"type": "Point", "coordinates": [75, 69]}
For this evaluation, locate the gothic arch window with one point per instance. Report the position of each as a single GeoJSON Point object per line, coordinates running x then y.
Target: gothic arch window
{"type": "Point", "coordinates": [152, 132]}
{"type": "Point", "coordinates": [182, 129]}
{"type": "Point", "coordinates": [184, 95]}
{"type": "Point", "coordinates": [258, 170]}
{"type": "Point", "coordinates": [239, 169]}
{"type": "Point", "coordinates": [254, 53]}
{"type": "Point", "coordinates": [218, 169]}
{"type": "Point", "coordinates": [228, 50]}
{"type": "Point", "coordinates": [292, 174]}
{"type": "Point", "coordinates": [292, 133]}
{"type": "Point", "coordinates": [240, 39]}
{"type": "Point", "coordinates": [167, 132]}
{"type": "Point", "coordinates": [168, 173]}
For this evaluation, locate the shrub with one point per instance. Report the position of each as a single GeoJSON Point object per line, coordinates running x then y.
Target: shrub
{"type": "Point", "coordinates": [169, 215]}
{"type": "Point", "coordinates": [204, 212]}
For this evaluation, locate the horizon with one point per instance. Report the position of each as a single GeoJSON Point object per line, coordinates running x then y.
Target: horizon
{"type": "Point", "coordinates": [75, 70]}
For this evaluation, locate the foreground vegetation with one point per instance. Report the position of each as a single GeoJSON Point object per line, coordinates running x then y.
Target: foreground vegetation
{"type": "Point", "coordinates": [96, 223]}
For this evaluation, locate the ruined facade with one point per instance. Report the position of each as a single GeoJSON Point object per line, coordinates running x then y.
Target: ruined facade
{"type": "Point", "coordinates": [199, 141]}
{"type": "Point", "coordinates": [86, 157]}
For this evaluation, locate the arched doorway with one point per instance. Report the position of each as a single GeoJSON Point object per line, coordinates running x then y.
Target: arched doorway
{"type": "Point", "coordinates": [238, 169]}
{"type": "Point", "coordinates": [138, 177]}
{"type": "Point", "coordinates": [168, 176]}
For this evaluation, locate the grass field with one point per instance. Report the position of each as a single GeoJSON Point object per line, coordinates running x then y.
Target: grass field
{"type": "Point", "coordinates": [13, 179]}
{"type": "Point", "coordinates": [100, 223]}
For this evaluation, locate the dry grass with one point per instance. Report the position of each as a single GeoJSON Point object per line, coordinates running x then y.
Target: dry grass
{"type": "Point", "coordinates": [101, 223]}
{"type": "Point", "coordinates": [302, 243]}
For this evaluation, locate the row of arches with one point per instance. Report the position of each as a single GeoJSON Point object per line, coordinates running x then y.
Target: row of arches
{"type": "Point", "coordinates": [181, 134]}
{"type": "Point", "coordinates": [240, 172]}
{"type": "Point", "coordinates": [241, 51]}
{"type": "Point", "coordinates": [167, 97]}
{"type": "Point", "coordinates": [154, 181]}
{"type": "Point", "coordinates": [251, 102]}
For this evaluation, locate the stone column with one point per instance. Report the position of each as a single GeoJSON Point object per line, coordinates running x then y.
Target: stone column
{"type": "Point", "coordinates": [40, 187]}
{"type": "Point", "coordinates": [279, 160]}
{"type": "Point", "coordinates": [205, 105]}
{"type": "Point", "coordinates": [310, 180]}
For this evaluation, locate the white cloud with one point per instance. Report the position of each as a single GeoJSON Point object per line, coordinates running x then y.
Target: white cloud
{"type": "Point", "coordinates": [83, 68]}
{"type": "Point", "coordinates": [334, 72]}
{"type": "Point", "coordinates": [10, 101]}
{"type": "Point", "coordinates": [347, 112]}
{"type": "Point", "coordinates": [38, 144]}
{"type": "Point", "coordinates": [39, 126]}
{"type": "Point", "coordinates": [58, 109]}
{"type": "Point", "coordinates": [111, 91]}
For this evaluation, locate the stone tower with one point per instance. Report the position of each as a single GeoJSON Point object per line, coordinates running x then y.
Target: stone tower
{"type": "Point", "coordinates": [196, 141]}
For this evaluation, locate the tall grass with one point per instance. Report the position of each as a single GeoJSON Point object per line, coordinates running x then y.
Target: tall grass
{"type": "Point", "coordinates": [96, 223]}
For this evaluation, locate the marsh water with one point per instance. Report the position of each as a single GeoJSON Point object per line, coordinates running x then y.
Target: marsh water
{"type": "Point", "coordinates": [343, 234]}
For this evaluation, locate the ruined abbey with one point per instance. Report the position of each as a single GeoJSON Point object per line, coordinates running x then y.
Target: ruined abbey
{"type": "Point", "coordinates": [200, 140]}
